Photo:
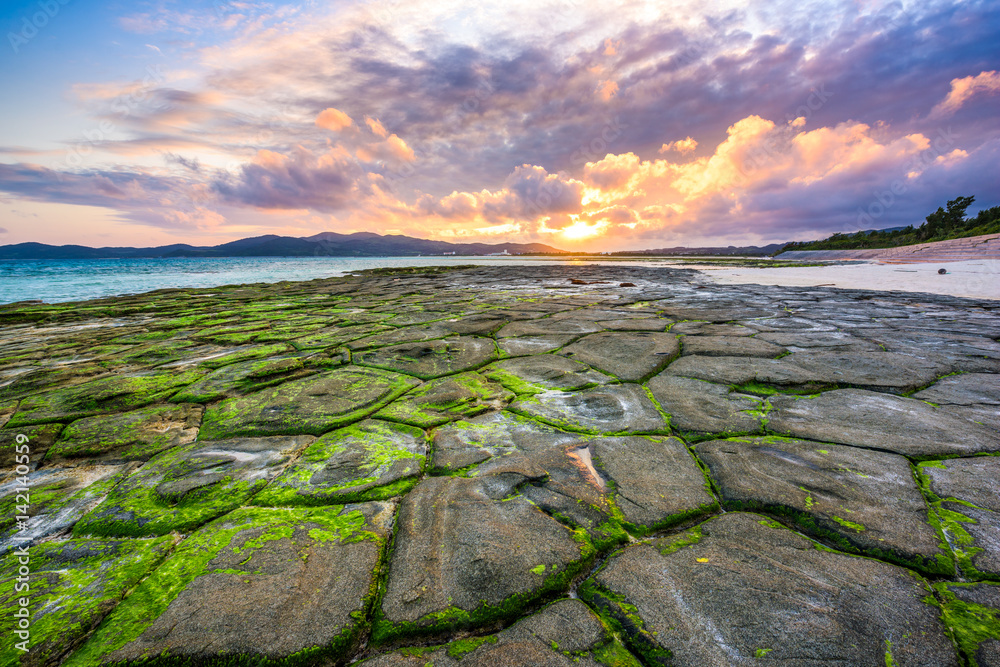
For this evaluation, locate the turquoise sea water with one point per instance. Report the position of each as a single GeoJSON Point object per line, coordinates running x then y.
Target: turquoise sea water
{"type": "Point", "coordinates": [53, 281]}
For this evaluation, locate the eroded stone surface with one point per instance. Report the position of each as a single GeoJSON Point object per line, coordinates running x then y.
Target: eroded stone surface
{"type": "Point", "coordinates": [967, 389]}
{"type": "Point", "coordinates": [857, 498]}
{"type": "Point", "coordinates": [730, 346]}
{"type": "Point", "coordinates": [129, 436]}
{"type": "Point", "coordinates": [547, 371]}
{"type": "Point", "coordinates": [881, 421]}
{"type": "Point", "coordinates": [700, 408]}
{"type": "Point", "coordinates": [627, 356]}
{"type": "Point", "coordinates": [741, 589]}
{"type": "Point", "coordinates": [431, 359]}
{"type": "Point", "coordinates": [622, 408]}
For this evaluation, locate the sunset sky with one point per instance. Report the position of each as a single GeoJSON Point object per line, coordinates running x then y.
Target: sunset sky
{"type": "Point", "coordinates": [594, 126]}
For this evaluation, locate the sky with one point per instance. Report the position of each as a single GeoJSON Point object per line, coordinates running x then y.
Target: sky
{"type": "Point", "coordinates": [593, 126]}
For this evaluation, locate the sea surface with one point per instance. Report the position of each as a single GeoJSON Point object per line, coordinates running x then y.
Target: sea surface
{"type": "Point", "coordinates": [54, 281]}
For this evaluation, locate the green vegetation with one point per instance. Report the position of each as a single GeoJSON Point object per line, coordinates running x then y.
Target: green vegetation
{"type": "Point", "coordinates": [941, 225]}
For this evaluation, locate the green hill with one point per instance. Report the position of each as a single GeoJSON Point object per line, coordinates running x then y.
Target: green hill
{"type": "Point", "coordinates": [939, 226]}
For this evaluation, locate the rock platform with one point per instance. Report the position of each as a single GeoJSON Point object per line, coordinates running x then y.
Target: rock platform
{"type": "Point", "coordinates": [503, 466]}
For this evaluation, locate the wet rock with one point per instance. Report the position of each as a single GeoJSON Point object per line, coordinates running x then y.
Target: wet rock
{"type": "Point", "coordinates": [412, 334]}
{"type": "Point", "coordinates": [881, 421]}
{"type": "Point", "coordinates": [721, 314]}
{"type": "Point", "coordinates": [516, 347]}
{"type": "Point", "coordinates": [538, 373]}
{"type": "Point", "coordinates": [56, 499]}
{"type": "Point", "coordinates": [973, 611]}
{"type": "Point", "coordinates": [628, 356]}
{"type": "Point", "coordinates": [471, 551]}
{"type": "Point", "coordinates": [964, 389]}
{"type": "Point", "coordinates": [111, 394]}
{"type": "Point", "coordinates": [446, 399]}
{"type": "Point", "coordinates": [872, 370]}
{"type": "Point", "coordinates": [242, 378]}
{"type": "Point", "coordinates": [370, 460]}
{"type": "Point", "coordinates": [739, 588]}
{"type": "Point", "coordinates": [966, 496]}
{"type": "Point", "coordinates": [564, 634]}
{"type": "Point", "coordinates": [636, 324]}
{"type": "Point", "coordinates": [431, 359]}
{"type": "Point", "coordinates": [730, 346]}
{"type": "Point", "coordinates": [38, 439]}
{"type": "Point", "coordinates": [336, 336]}
{"type": "Point", "coordinates": [311, 405]}
{"type": "Point", "coordinates": [610, 409]}
{"type": "Point", "coordinates": [128, 436]}
{"type": "Point", "coordinates": [73, 585]}
{"type": "Point", "coordinates": [186, 487]}
{"type": "Point", "coordinates": [253, 585]}
{"type": "Point", "coordinates": [549, 326]}
{"type": "Point", "coordinates": [701, 408]}
{"type": "Point", "coordinates": [861, 500]}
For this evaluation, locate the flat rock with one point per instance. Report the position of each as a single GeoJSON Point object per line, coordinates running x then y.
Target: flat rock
{"type": "Point", "coordinates": [740, 588]}
{"type": "Point", "coordinates": [965, 389]}
{"type": "Point", "coordinates": [549, 326]}
{"type": "Point", "coordinates": [730, 346]}
{"type": "Point", "coordinates": [253, 585]}
{"type": "Point", "coordinates": [861, 500]}
{"type": "Point", "coordinates": [242, 378]}
{"type": "Point", "coordinates": [701, 408]}
{"type": "Point", "coordinates": [564, 634]}
{"type": "Point", "coordinates": [628, 356]}
{"type": "Point", "coordinates": [636, 324]}
{"type": "Point", "coordinates": [464, 548]}
{"type": "Point", "coordinates": [516, 347]}
{"type": "Point", "coordinates": [311, 405]}
{"type": "Point", "coordinates": [128, 436]}
{"type": "Point", "coordinates": [38, 438]}
{"type": "Point", "coordinates": [111, 394]}
{"type": "Point", "coordinates": [370, 460]}
{"type": "Point", "coordinates": [446, 399]}
{"type": "Point", "coordinates": [434, 358]}
{"type": "Point", "coordinates": [709, 329]}
{"type": "Point", "coordinates": [544, 371]}
{"type": "Point", "coordinates": [185, 487]}
{"type": "Point", "coordinates": [870, 370]}
{"type": "Point", "coordinates": [411, 334]}
{"type": "Point", "coordinates": [623, 408]}
{"type": "Point", "coordinates": [721, 313]}
{"type": "Point", "coordinates": [970, 488]}
{"type": "Point", "coordinates": [74, 584]}
{"type": "Point", "coordinates": [880, 421]}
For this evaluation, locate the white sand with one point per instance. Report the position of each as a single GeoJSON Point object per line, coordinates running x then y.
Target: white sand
{"type": "Point", "coordinates": [977, 279]}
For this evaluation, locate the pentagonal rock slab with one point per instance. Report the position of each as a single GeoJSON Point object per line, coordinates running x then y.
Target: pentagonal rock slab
{"type": "Point", "coordinates": [431, 359]}
{"type": "Point", "coordinates": [700, 408]}
{"type": "Point", "coordinates": [627, 356]}
{"type": "Point", "coordinates": [882, 421]}
{"type": "Point", "coordinates": [966, 495]}
{"type": "Point", "coordinates": [255, 584]}
{"type": "Point", "coordinates": [188, 486]}
{"type": "Point", "coordinates": [564, 634]}
{"type": "Point", "coordinates": [111, 394]}
{"type": "Point", "coordinates": [860, 499]}
{"type": "Point", "coordinates": [730, 346]}
{"type": "Point", "coordinates": [242, 378]}
{"type": "Point", "coordinates": [532, 375]}
{"type": "Point", "coordinates": [311, 405]}
{"type": "Point", "coordinates": [740, 588]}
{"type": "Point", "coordinates": [469, 551]}
{"type": "Point", "coordinates": [623, 408]}
{"type": "Point", "coordinates": [370, 460]}
{"type": "Point", "coordinates": [73, 585]}
{"type": "Point", "coordinates": [129, 436]}
{"type": "Point", "coordinates": [445, 399]}
{"type": "Point", "coordinates": [549, 326]}
{"type": "Point", "coordinates": [516, 347]}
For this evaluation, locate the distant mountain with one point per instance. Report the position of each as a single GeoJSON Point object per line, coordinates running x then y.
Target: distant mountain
{"type": "Point", "coordinates": [325, 244]}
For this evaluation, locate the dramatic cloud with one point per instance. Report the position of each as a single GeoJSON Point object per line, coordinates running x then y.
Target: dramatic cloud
{"type": "Point", "coordinates": [334, 120]}
{"type": "Point", "coordinates": [963, 89]}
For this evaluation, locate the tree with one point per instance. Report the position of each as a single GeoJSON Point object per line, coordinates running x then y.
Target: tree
{"type": "Point", "coordinates": [942, 221]}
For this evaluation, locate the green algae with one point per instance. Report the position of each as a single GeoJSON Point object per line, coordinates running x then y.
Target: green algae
{"type": "Point", "coordinates": [192, 559]}
{"type": "Point", "coordinates": [969, 624]}
{"type": "Point", "coordinates": [73, 586]}
{"type": "Point", "coordinates": [242, 378]}
{"type": "Point", "coordinates": [131, 436]}
{"type": "Point", "coordinates": [371, 460]}
{"type": "Point", "coordinates": [950, 524]}
{"type": "Point", "coordinates": [311, 405]}
{"type": "Point", "coordinates": [446, 399]}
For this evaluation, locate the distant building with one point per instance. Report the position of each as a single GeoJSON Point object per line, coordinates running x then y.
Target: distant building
{"type": "Point", "coordinates": [503, 253]}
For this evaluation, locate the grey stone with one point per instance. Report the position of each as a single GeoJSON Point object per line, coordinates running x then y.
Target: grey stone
{"type": "Point", "coordinates": [628, 356]}
{"type": "Point", "coordinates": [547, 371]}
{"type": "Point", "coordinates": [431, 359]}
{"type": "Point", "coordinates": [612, 409]}
{"type": "Point", "coordinates": [701, 408]}
{"type": "Point", "coordinates": [964, 389]}
{"type": "Point", "coordinates": [516, 347]}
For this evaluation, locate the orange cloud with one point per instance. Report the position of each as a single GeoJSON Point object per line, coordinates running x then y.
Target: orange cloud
{"type": "Point", "coordinates": [376, 127]}
{"type": "Point", "coordinates": [682, 146]}
{"type": "Point", "coordinates": [964, 89]}
{"type": "Point", "coordinates": [607, 89]}
{"type": "Point", "coordinates": [334, 120]}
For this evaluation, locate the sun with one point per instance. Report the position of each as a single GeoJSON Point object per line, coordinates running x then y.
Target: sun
{"type": "Point", "coordinates": [581, 230]}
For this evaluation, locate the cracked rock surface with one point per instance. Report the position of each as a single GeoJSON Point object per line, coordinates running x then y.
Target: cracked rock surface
{"type": "Point", "coordinates": [503, 466]}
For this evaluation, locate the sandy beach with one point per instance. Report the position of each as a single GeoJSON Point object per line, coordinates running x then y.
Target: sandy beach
{"type": "Point", "coordinates": [976, 279]}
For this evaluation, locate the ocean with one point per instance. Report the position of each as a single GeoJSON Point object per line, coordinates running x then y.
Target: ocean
{"type": "Point", "coordinates": [55, 281]}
